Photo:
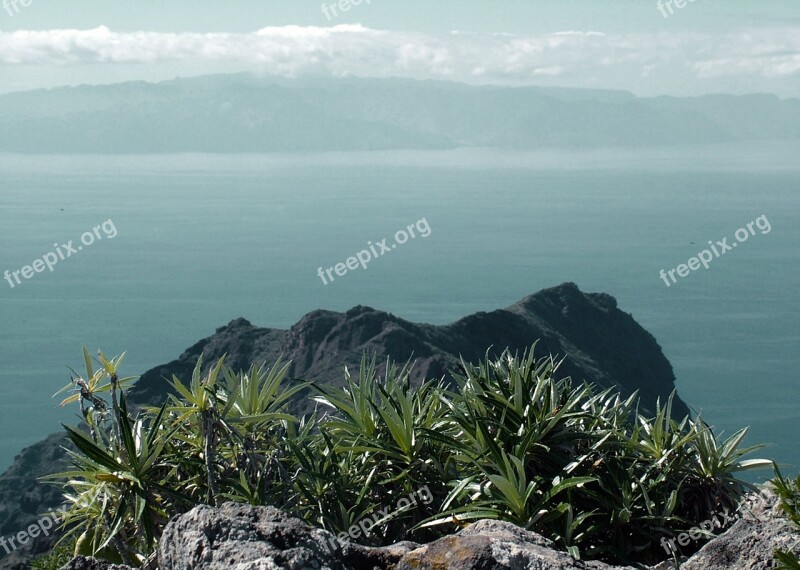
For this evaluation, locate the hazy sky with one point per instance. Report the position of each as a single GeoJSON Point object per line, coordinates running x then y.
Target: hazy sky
{"type": "Point", "coordinates": [735, 46]}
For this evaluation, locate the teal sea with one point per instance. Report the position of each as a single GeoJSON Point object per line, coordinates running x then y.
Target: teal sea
{"type": "Point", "coordinates": [202, 240]}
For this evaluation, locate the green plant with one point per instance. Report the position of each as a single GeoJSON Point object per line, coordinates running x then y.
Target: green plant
{"type": "Point", "coordinates": [514, 430]}
{"type": "Point", "coordinates": [213, 440]}
{"type": "Point", "coordinates": [508, 439]}
{"type": "Point", "coordinates": [54, 560]}
{"type": "Point", "coordinates": [583, 468]}
{"type": "Point", "coordinates": [383, 439]}
{"type": "Point", "coordinates": [788, 492]}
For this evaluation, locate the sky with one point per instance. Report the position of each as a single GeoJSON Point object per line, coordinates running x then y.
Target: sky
{"type": "Point", "coordinates": [649, 47]}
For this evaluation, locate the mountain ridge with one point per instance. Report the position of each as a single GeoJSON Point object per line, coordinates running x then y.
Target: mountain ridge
{"type": "Point", "coordinates": [322, 342]}
{"type": "Point", "coordinates": [241, 113]}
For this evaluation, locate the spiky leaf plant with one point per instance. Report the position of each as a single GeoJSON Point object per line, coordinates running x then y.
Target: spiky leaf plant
{"type": "Point", "coordinates": [508, 439]}
{"type": "Point", "coordinates": [788, 492]}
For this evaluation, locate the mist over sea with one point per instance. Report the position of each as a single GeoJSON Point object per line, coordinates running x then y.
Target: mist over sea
{"type": "Point", "coordinates": [203, 239]}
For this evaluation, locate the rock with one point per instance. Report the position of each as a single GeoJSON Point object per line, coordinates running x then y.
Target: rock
{"type": "Point", "coordinates": [749, 544]}
{"type": "Point", "coordinates": [82, 563]}
{"type": "Point", "coordinates": [243, 537]}
{"type": "Point", "coordinates": [239, 537]}
{"type": "Point", "coordinates": [495, 545]}
{"type": "Point", "coordinates": [357, 556]}
{"type": "Point", "coordinates": [24, 497]}
{"type": "Point", "coordinates": [603, 345]}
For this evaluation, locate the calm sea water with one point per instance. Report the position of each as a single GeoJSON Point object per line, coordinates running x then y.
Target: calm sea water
{"type": "Point", "coordinates": [205, 239]}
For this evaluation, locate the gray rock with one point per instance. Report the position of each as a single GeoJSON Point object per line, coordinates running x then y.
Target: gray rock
{"type": "Point", "coordinates": [240, 537]}
{"type": "Point", "coordinates": [83, 563]}
{"type": "Point", "coordinates": [495, 545]}
{"type": "Point", "coordinates": [749, 544]}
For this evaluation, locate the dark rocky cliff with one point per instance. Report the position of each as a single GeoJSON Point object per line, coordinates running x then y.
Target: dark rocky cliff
{"type": "Point", "coordinates": [601, 343]}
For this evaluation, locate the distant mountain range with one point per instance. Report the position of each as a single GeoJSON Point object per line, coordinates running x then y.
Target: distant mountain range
{"type": "Point", "coordinates": [241, 113]}
{"type": "Point", "coordinates": [601, 343]}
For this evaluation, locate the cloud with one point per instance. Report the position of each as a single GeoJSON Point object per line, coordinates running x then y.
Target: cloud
{"type": "Point", "coordinates": [491, 58]}
{"type": "Point", "coordinates": [768, 53]}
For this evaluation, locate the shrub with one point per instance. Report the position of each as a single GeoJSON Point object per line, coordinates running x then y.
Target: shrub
{"type": "Point", "coordinates": [788, 492]}
{"type": "Point", "coordinates": [56, 559]}
{"type": "Point", "coordinates": [508, 440]}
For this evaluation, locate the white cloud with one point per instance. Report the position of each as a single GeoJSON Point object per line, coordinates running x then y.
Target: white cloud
{"type": "Point", "coordinates": [768, 53]}
{"type": "Point", "coordinates": [571, 56]}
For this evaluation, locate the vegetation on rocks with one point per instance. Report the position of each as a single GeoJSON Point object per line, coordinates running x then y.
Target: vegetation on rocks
{"type": "Point", "coordinates": [788, 492]}
{"type": "Point", "coordinates": [509, 440]}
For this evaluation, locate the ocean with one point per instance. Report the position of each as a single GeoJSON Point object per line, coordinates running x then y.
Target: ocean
{"type": "Point", "coordinates": [199, 240]}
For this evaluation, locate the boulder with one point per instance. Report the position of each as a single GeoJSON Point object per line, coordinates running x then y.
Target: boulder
{"type": "Point", "coordinates": [750, 543]}
{"type": "Point", "coordinates": [84, 563]}
{"type": "Point", "coordinates": [243, 537]}
{"type": "Point", "coordinates": [239, 537]}
{"type": "Point", "coordinates": [495, 545]}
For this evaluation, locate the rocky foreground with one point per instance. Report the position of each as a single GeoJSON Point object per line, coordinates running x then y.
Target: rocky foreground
{"type": "Point", "coordinates": [239, 537]}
